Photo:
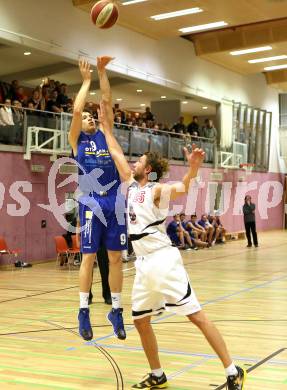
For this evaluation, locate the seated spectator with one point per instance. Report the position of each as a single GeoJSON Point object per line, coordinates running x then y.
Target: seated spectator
{"type": "Point", "coordinates": [193, 127]}
{"type": "Point", "coordinates": [193, 234]}
{"type": "Point", "coordinates": [203, 222]}
{"type": "Point", "coordinates": [180, 127]}
{"type": "Point", "coordinates": [177, 234]}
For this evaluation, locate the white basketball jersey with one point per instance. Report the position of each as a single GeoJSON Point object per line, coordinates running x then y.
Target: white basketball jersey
{"type": "Point", "coordinates": [146, 222]}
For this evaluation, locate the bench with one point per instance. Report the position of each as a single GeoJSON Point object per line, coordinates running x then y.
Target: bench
{"type": "Point", "coordinates": [235, 236]}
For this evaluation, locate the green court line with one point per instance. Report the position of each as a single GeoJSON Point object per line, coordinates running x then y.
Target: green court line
{"type": "Point", "coordinates": [54, 373]}
{"type": "Point", "coordinates": [37, 385]}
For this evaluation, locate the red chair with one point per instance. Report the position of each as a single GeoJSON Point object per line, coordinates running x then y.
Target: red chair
{"type": "Point", "coordinates": [4, 250]}
{"type": "Point", "coordinates": [75, 247]}
{"type": "Point", "coordinates": [62, 248]}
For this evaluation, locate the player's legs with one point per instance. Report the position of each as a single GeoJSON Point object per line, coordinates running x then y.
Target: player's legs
{"type": "Point", "coordinates": [90, 238]}
{"type": "Point", "coordinates": [235, 375]}
{"type": "Point", "coordinates": [115, 239]}
{"type": "Point", "coordinates": [148, 341]}
{"type": "Point", "coordinates": [212, 335]}
{"type": "Point", "coordinates": [86, 271]}
{"type": "Point", "coordinates": [115, 271]}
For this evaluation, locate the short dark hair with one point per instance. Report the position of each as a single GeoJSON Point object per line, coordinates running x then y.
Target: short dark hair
{"type": "Point", "coordinates": [158, 164]}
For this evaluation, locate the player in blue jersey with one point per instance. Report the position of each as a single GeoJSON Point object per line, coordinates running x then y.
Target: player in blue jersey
{"type": "Point", "coordinates": [99, 182]}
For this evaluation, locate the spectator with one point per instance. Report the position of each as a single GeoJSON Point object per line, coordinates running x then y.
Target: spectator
{"type": "Point", "coordinates": [62, 99]}
{"type": "Point", "coordinates": [18, 119]}
{"type": "Point", "coordinates": [13, 90]}
{"type": "Point", "coordinates": [53, 105]}
{"type": "Point", "coordinates": [148, 115]}
{"type": "Point", "coordinates": [193, 127]}
{"type": "Point", "coordinates": [249, 221]}
{"type": "Point", "coordinates": [180, 127]}
{"type": "Point", "coordinates": [20, 96]}
{"type": "Point", "coordinates": [70, 106]}
{"type": "Point", "coordinates": [6, 114]}
{"type": "Point", "coordinates": [7, 129]}
{"type": "Point", "coordinates": [208, 228]}
{"type": "Point", "coordinates": [209, 131]}
{"type": "Point", "coordinates": [36, 100]}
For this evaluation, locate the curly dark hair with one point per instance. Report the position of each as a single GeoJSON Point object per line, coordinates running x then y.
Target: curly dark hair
{"type": "Point", "coordinates": [158, 164]}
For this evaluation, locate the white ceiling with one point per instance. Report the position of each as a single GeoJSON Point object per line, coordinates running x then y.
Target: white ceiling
{"type": "Point", "coordinates": [30, 70]}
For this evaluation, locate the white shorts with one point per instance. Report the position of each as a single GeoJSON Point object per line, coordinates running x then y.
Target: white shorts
{"type": "Point", "coordinates": [161, 283]}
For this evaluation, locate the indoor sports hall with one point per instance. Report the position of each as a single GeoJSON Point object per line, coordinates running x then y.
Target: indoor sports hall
{"type": "Point", "coordinates": [212, 74]}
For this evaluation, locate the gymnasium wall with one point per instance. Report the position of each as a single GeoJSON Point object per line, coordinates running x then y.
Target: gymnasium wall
{"type": "Point", "coordinates": [66, 31]}
{"type": "Point", "coordinates": [24, 231]}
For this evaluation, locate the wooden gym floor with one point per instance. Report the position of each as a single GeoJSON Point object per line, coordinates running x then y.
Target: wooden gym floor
{"type": "Point", "coordinates": [244, 291]}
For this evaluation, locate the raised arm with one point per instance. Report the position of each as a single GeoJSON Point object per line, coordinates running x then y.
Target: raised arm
{"type": "Point", "coordinates": [102, 62]}
{"type": "Point", "coordinates": [105, 115]}
{"type": "Point", "coordinates": [79, 105]}
{"type": "Point", "coordinates": [164, 193]}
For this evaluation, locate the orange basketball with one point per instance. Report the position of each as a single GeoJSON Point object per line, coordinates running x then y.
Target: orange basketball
{"type": "Point", "coordinates": [104, 13]}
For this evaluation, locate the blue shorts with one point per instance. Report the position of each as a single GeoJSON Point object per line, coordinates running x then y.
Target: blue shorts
{"type": "Point", "coordinates": [100, 225]}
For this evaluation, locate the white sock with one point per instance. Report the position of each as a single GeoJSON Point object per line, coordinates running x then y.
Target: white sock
{"type": "Point", "coordinates": [84, 300]}
{"type": "Point", "coordinates": [116, 300]}
{"type": "Point", "coordinates": [157, 372]}
{"type": "Point", "coordinates": [231, 370]}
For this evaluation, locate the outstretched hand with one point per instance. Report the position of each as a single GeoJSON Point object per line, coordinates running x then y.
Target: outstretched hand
{"type": "Point", "coordinates": [85, 67]}
{"type": "Point", "coordinates": [102, 62]}
{"type": "Point", "coordinates": [196, 157]}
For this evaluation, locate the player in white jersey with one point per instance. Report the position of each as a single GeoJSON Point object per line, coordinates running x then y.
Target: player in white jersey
{"type": "Point", "coordinates": [161, 282]}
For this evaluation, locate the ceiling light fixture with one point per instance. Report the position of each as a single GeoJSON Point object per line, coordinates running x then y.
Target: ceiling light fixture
{"type": "Point", "coordinates": [248, 51]}
{"type": "Point", "coordinates": [202, 27]}
{"type": "Point", "coordinates": [185, 102]}
{"type": "Point", "coordinates": [266, 59]}
{"type": "Point", "coordinates": [27, 53]}
{"type": "Point", "coordinates": [163, 97]}
{"type": "Point", "coordinates": [92, 93]}
{"type": "Point", "coordinates": [276, 67]}
{"type": "Point", "coordinates": [204, 107]}
{"type": "Point", "coordinates": [143, 105]}
{"type": "Point", "coordinates": [133, 2]}
{"type": "Point", "coordinates": [119, 99]}
{"type": "Point", "coordinates": [175, 14]}
{"type": "Point", "coordinates": [91, 70]}
{"type": "Point", "coordinates": [139, 90]}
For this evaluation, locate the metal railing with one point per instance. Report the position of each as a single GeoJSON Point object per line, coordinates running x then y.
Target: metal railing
{"type": "Point", "coordinates": [47, 132]}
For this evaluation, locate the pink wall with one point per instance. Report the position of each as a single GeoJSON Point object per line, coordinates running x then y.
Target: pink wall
{"type": "Point", "coordinates": [266, 218]}
{"type": "Point", "coordinates": [25, 232]}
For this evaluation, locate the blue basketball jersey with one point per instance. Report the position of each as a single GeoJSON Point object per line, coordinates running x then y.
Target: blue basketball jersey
{"type": "Point", "coordinates": [97, 170]}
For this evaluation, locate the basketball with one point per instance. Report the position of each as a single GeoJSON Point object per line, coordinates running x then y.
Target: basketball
{"type": "Point", "coordinates": [104, 14]}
